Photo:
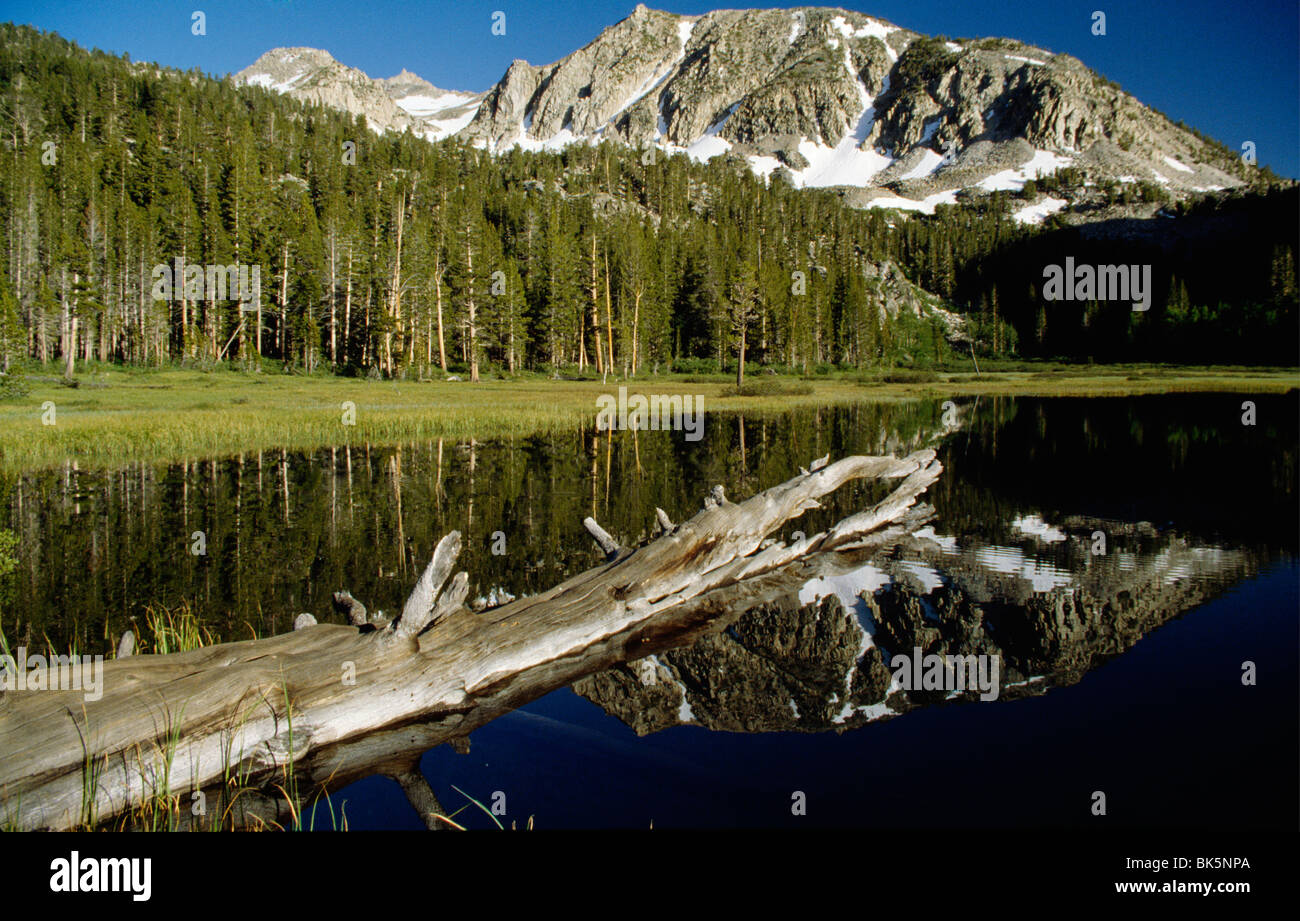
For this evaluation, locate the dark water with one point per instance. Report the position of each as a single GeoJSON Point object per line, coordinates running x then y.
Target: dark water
{"type": "Point", "coordinates": [1199, 513]}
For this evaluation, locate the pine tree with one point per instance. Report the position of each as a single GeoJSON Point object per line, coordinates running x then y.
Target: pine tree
{"type": "Point", "coordinates": [11, 332]}
{"type": "Point", "coordinates": [744, 302]}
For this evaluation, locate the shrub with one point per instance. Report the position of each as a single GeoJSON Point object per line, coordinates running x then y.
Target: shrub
{"type": "Point", "coordinates": [766, 388]}
{"type": "Point", "coordinates": [695, 366]}
{"type": "Point", "coordinates": [925, 60]}
{"type": "Point", "coordinates": [12, 386]}
{"type": "Point", "coordinates": [908, 376]}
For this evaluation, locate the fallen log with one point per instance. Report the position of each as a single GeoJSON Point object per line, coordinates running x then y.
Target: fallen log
{"type": "Point", "coordinates": [328, 703]}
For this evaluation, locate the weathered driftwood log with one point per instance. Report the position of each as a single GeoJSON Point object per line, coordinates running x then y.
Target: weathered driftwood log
{"type": "Point", "coordinates": [340, 702]}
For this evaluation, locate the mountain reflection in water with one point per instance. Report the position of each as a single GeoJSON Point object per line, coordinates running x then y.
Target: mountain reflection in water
{"type": "Point", "coordinates": [1193, 509]}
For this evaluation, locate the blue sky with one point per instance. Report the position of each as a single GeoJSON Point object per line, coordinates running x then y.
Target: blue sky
{"type": "Point", "coordinates": [1228, 67]}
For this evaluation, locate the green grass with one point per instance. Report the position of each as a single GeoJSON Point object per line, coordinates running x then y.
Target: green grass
{"type": "Point", "coordinates": [485, 810]}
{"type": "Point", "coordinates": [119, 416]}
{"type": "Point", "coordinates": [160, 808]}
{"type": "Point", "coordinates": [337, 823]}
{"type": "Point", "coordinates": [172, 630]}
{"type": "Point", "coordinates": [92, 769]}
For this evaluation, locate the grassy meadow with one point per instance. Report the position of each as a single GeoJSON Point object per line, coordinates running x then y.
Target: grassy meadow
{"type": "Point", "coordinates": [118, 415]}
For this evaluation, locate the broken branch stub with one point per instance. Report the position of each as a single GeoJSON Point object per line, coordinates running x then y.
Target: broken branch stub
{"type": "Point", "coordinates": [607, 544]}
{"type": "Point", "coordinates": [349, 607]}
{"type": "Point", "coordinates": [422, 608]}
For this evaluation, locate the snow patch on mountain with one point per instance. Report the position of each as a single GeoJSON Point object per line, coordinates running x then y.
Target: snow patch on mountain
{"type": "Point", "coordinates": [872, 27]}
{"type": "Point", "coordinates": [421, 105]}
{"type": "Point", "coordinates": [557, 142]}
{"type": "Point", "coordinates": [798, 22]}
{"type": "Point", "coordinates": [1042, 163]}
{"type": "Point", "coordinates": [763, 166]}
{"type": "Point", "coordinates": [925, 205]}
{"type": "Point", "coordinates": [1034, 214]}
{"type": "Point", "coordinates": [847, 163]}
{"type": "Point", "coordinates": [710, 145]}
{"type": "Point", "coordinates": [930, 161]}
{"type": "Point", "coordinates": [269, 82]}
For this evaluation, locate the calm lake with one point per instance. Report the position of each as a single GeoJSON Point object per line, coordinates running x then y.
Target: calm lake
{"type": "Point", "coordinates": [1124, 557]}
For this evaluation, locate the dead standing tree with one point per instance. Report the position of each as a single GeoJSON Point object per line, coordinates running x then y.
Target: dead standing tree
{"type": "Point", "coordinates": [339, 702]}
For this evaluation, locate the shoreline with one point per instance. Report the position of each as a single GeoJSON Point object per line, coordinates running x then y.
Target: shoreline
{"type": "Point", "coordinates": [123, 416]}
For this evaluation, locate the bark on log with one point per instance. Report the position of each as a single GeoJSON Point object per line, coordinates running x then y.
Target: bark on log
{"type": "Point", "coordinates": [341, 702]}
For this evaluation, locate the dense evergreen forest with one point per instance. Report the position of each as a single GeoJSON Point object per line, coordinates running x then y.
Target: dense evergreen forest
{"type": "Point", "coordinates": [389, 255]}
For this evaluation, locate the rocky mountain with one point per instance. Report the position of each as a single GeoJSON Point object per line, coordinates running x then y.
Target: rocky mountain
{"type": "Point", "coordinates": [398, 103]}
{"type": "Point", "coordinates": [821, 97]}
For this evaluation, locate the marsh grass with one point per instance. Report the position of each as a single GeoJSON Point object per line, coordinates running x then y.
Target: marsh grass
{"type": "Point", "coordinates": [133, 415]}
{"type": "Point", "coordinates": [160, 809]}
{"type": "Point", "coordinates": [909, 376]}
{"type": "Point", "coordinates": [92, 769]}
{"type": "Point", "coordinates": [339, 823]}
{"type": "Point", "coordinates": [161, 805]}
{"type": "Point", "coordinates": [178, 630]}
{"type": "Point", "coordinates": [171, 630]}
{"type": "Point", "coordinates": [289, 787]}
{"type": "Point", "coordinates": [8, 823]}
{"type": "Point", "coordinates": [487, 812]}
{"type": "Point", "coordinates": [450, 820]}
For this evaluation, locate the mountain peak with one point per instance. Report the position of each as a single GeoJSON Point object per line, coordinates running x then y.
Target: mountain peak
{"type": "Point", "coordinates": [821, 96]}
{"type": "Point", "coordinates": [302, 56]}
{"type": "Point", "coordinates": [401, 102]}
